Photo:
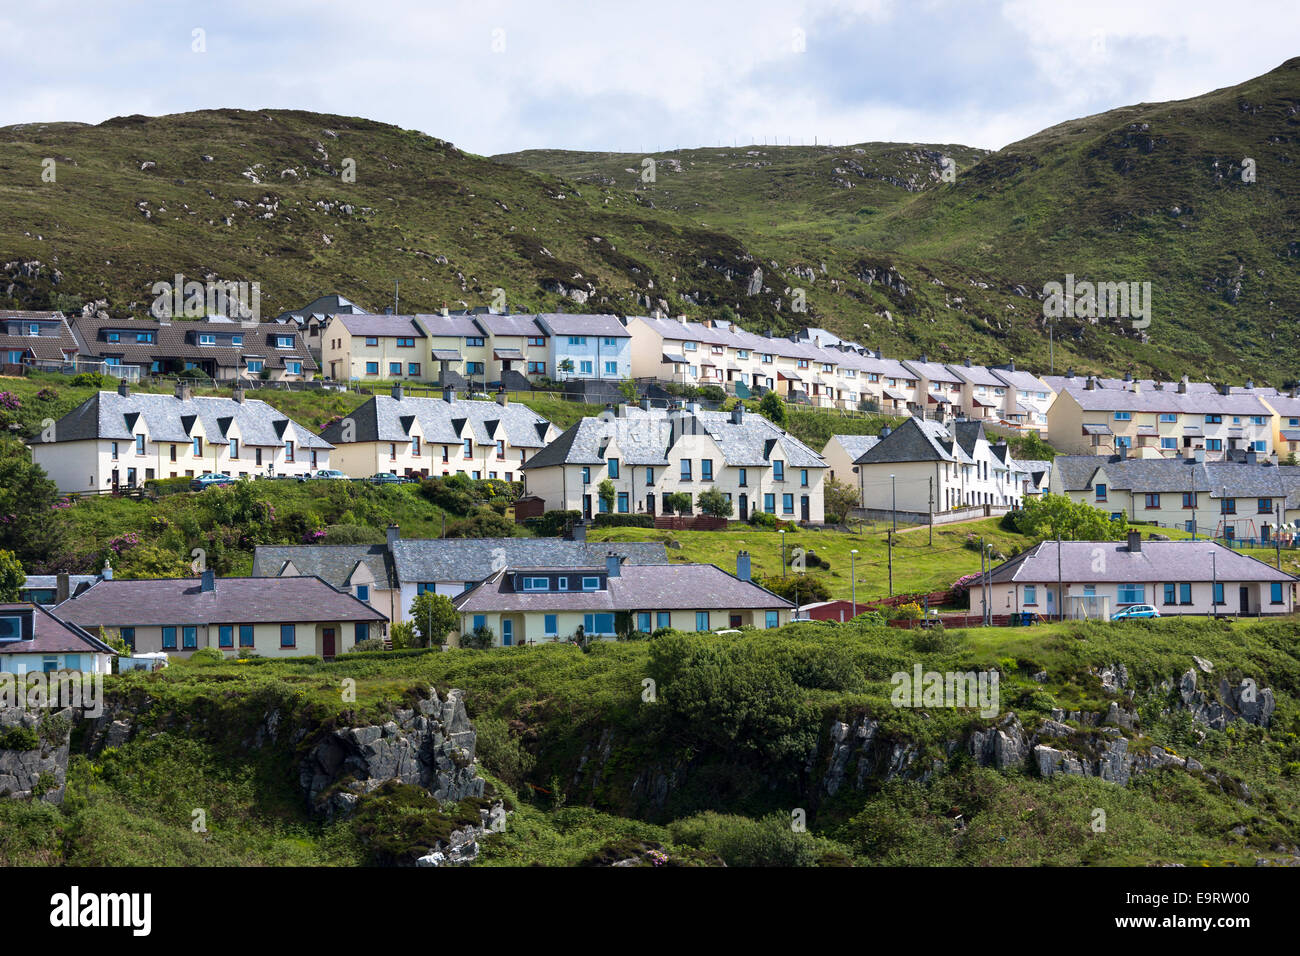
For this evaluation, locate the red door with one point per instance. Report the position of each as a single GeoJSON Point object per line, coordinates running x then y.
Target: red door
{"type": "Point", "coordinates": [327, 643]}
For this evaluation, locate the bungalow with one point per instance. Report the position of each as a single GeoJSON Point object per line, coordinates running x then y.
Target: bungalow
{"type": "Point", "coordinates": [274, 617]}
{"type": "Point", "coordinates": [1096, 578]}
{"type": "Point", "coordinates": [119, 439]}
{"type": "Point", "coordinates": [522, 605]}
{"type": "Point", "coordinates": [34, 639]}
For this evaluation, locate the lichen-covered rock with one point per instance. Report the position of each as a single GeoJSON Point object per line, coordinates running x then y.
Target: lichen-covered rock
{"type": "Point", "coordinates": [40, 771]}
{"type": "Point", "coordinates": [1241, 701]}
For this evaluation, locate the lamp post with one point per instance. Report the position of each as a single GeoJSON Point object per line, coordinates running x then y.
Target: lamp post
{"type": "Point", "coordinates": [893, 490]}
{"type": "Point", "coordinates": [853, 577]}
{"type": "Point", "coordinates": [782, 533]}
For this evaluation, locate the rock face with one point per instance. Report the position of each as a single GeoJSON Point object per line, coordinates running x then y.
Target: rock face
{"type": "Point", "coordinates": [1242, 701]}
{"type": "Point", "coordinates": [40, 772]}
{"type": "Point", "coordinates": [430, 746]}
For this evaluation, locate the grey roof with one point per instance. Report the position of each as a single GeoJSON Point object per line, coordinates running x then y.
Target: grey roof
{"type": "Point", "coordinates": [1018, 378]}
{"type": "Point", "coordinates": [386, 326]}
{"type": "Point", "coordinates": [976, 375]}
{"type": "Point", "coordinates": [509, 324]}
{"type": "Point", "coordinates": [333, 564]}
{"type": "Point", "coordinates": [474, 559]}
{"type": "Point", "coordinates": [1232, 479]}
{"type": "Point", "coordinates": [855, 446]}
{"type": "Point", "coordinates": [1156, 562]}
{"type": "Point", "coordinates": [52, 634]}
{"type": "Point", "coordinates": [167, 418]}
{"type": "Point", "coordinates": [561, 323]}
{"type": "Point", "coordinates": [176, 601]}
{"type": "Point", "coordinates": [647, 438]}
{"type": "Point", "coordinates": [635, 588]}
{"type": "Point", "coordinates": [449, 326]}
{"type": "Point", "coordinates": [1150, 400]}
{"type": "Point", "coordinates": [933, 371]}
{"type": "Point", "coordinates": [916, 440]}
{"type": "Point", "coordinates": [333, 304]}
{"type": "Point", "coordinates": [385, 418]}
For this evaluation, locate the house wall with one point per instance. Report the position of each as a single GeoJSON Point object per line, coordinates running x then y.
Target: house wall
{"type": "Point", "coordinates": [1011, 598]}
{"type": "Point", "coordinates": [86, 662]}
{"type": "Point", "coordinates": [531, 625]}
{"type": "Point", "coordinates": [597, 351]}
{"type": "Point", "coordinates": [266, 637]}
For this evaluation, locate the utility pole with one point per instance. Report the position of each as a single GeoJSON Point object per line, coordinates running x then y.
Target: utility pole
{"type": "Point", "coordinates": [889, 538]}
{"type": "Point", "coordinates": [984, 587]}
{"type": "Point", "coordinates": [853, 575]}
{"type": "Point", "coordinates": [1214, 585]}
{"type": "Point", "coordinates": [1060, 599]}
{"type": "Point", "coordinates": [893, 490]}
{"type": "Point", "coordinates": [932, 511]}
{"type": "Point", "coordinates": [396, 283]}
{"type": "Point", "coordinates": [1277, 538]}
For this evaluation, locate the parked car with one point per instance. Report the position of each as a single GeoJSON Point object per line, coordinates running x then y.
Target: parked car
{"type": "Point", "coordinates": [388, 478]}
{"type": "Point", "coordinates": [1135, 612]}
{"type": "Point", "coordinates": [208, 479]}
{"type": "Point", "coordinates": [326, 474]}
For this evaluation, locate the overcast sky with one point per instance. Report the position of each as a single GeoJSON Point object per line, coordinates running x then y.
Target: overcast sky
{"type": "Point", "coordinates": [500, 75]}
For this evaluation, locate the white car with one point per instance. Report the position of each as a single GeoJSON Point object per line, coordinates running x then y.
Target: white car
{"type": "Point", "coordinates": [325, 474]}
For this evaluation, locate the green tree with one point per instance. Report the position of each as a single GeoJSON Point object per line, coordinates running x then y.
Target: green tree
{"type": "Point", "coordinates": [606, 492]}
{"type": "Point", "coordinates": [840, 498]}
{"type": "Point", "coordinates": [11, 576]}
{"type": "Point", "coordinates": [714, 502]}
{"type": "Point", "coordinates": [403, 635]}
{"type": "Point", "coordinates": [627, 388]}
{"type": "Point", "coordinates": [565, 366]}
{"type": "Point", "coordinates": [27, 496]}
{"type": "Point", "coordinates": [1031, 447]}
{"type": "Point", "coordinates": [773, 409]}
{"type": "Point", "coordinates": [678, 501]}
{"type": "Point", "coordinates": [434, 617]}
{"type": "Point", "coordinates": [1052, 516]}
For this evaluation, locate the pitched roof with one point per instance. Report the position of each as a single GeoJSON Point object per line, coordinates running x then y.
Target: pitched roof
{"type": "Point", "coordinates": [167, 418]}
{"type": "Point", "coordinates": [52, 634]}
{"type": "Point", "coordinates": [385, 418]}
{"type": "Point", "coordinates": [54, 344]}
{"type": "Point", "coordinates": [1158, 561]}
{"type": "Point", "coordinates": [1165, 400]}
{"type": "Point", "coordinates": [383, 326]}
{"type": "Point", "coordinates": [175, 601]}
{"type": "Point", "coordinates": [562, 323]}
{"type": "Point", "coordinates": [473, 559]}
{"type": "Point", "coordinates": [855, 446]}
{"type": "Point", "coordinates": [915, 440]}
{"type": "Point", "coordinates": [701, 587]}
{"type": "Point", "coordinates": [333, 563]}
{"type": "Point", "coordinates": [178, 340]}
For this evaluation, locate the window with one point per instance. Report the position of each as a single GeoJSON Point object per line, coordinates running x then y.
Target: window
{"type": "Point", "coordinates": [643, 621]}
{"type": "Point", "coordinates": [1228, 506]}
{"type": "Point", "coordinates": [254, 365]}
{"type": "Point", "coordinates": [701, 620]}
{"type": "Point", "coordinates": [1189, 499]}
{"type": "Point", "coordinates": [139, 444]}
{"type": "Point", "coordinates": [113, 337]}
{"type": "Point", "coordinates": [584, 368]}
{"type": "Point", "coordinates": [787, 504]}
{"type": "Point", "coordinates": [1171, 594]}
{"type": "Point", "coordinates": [536, 368]}
{"type": "Point", "coordinates": [622, 503]}
{"type": "Point", "coordinates": [1214, 419]}
{"type": "Point", "coordinates": [413, 369]}
{"type": "Point", "coordinates": [771, 619]}
{"type": "Point", "coordinates": [405, 343]}
{"type": "Point", "coordinates": [1185, 593]}
{"type": "Point", "coordinates": [663, 619]}
{"type": "Point", "coordinates": [586, 475]}
{"type": "Point", "coordinates": [769, 503]}
{"type": "Point", "coordinates": [169, 638]}
{"type": "Point", "coordinates": [288, 451]}
{"type": "Point", "coordinates": [1218, 592]}
{"type": "Point", "coordinates": [598, 623]}
{"type": "Point", "coordinates": [372, 368]}
{"type": "Point", "coordinates": [234, 448]}
{"type": "Point", "coordinates": [245, 635]}
{"type": "Point", "coordinates": [1168, 417]}
{"type": "Point", "coordinates": [561, 584]}
{"type": "Point", "coordinates": [537, 584]}
{"type": "Point", "coordinates": [611, 368]}
{"type": "Point", "coordinates": [425, 587]}
{"type": "Point", "coordinates": [689, 346]}
{"type": "Point", "coordinates": [803, 477]}
{"type": "Point", "coordinates": [1259, 446]}
{"type": "Point", "coordinates": [591, 584]}
{"type": "Point", "coordinates": [480, 621]}
{"type": "Point", "coordinates": [226, 635]}
{"type": "Point", "coordinates": [1101, 492]}
{"type": "Point", "coordinates": [1264, 506]}
{"type": "Point", "coordinates": [1275, 592]}
{"type": "Point", "coordinates": [649, 477]}
{"type": "Point", "coordinates": [1123, 441]}
{"type": "Point", "coordinates": [372, 341]}
{"type": "Point", "coordinates": [469, 448]}
{"type": "Point", "coordinates": [778, 471]}
{"type": "Point", "coordinates": [360, 632]}
{"type": "Point", "coordinates": [1153, 501]}
{"type": "Point", "coordinates": [284, 341]}
{"type": "Point", "coordinates": [536, 340]}
{"type": "Point", "coordinates": [577, 340]}
{"type": "Point", "coordinates": [743, 476]}
{"type": "Point", "coordinates": [686, 469]}
{"type": "Point", "coordinates": [1169, 443]}
{"type": "Point", "coordinates": [363, 592]}
{"type": "Point", "coordinates": [288, 635]}
{"type": "Point", "coordinates": [612, 465]}
{"type": "Point", "coordinates": [1123, 416]}
{"type": "Point", "coordinates": [1214, 444]}
{"type": "Point", "coordinates": [473, 340]}
{"type": "Point", "coordinates": [207, 338]}
{"type": "Point", "coordinates": [473, 368]}
{"type": "Point", "coordinates": [144, 336]}
{"type": "Point", "coordinates": [189, 637]}
{"type": "Point", "coordinates": [395, 368]}
{"type": "Point", "coordinates": [415, 445]}
{"type": "Point", "coordinates": [1131, 593]}
{"type": "Point", "coordinates": [706, 469]}
{"type": "Point", "coordinates": [1031, 594]}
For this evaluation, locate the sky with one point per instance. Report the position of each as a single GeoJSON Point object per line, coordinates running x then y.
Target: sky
{"type": "Point", "coordinates": [496, 76]}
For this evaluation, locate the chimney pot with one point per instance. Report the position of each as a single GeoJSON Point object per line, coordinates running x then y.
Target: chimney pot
{"type": "Point", "coordinates": [62, 588]}
{"type": "Point", "coordinates": [397, 391]}
{"type": "Point", "coordinates": [1135, 541]}
{"type": "Point", "coordinates": [107, 572]}
{"type": "Point", "coordinates": [743, 570]}
{"type": "Point", "coordinates": [394, 535]}
{"type": "Point", "coordinates": [122, 388]}
{"type": "Point", "coordinates": [613, 565]}
{"type": "Point", "coordinates": [448, 394]}
{"type": "Point", "coordinates": [208, 582]}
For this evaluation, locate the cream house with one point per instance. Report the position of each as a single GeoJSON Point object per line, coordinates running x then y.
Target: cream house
{"type": "Point", "coordinates": [121, 439]}
{"type": "Point", "coordinates": [401, 435]}
{"type": "Point", "coordinates": [366, 347]}
{"type": "Point", "coordinates": [647, 454]}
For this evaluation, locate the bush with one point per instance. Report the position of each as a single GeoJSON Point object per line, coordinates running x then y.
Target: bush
{"type": "Point", "coordinates": [450, 493]}
{"type": "Point", "coordinates": [743, 841]}
{"type": "Point", "coordinates": [501, 752]}
{"type": "Point", "coordinates": [403, 636]}
{"type": "Point", "coordinates": [370, 644]}
{"type": "Point", "coordinates": [552, 523]}
{"type": "Point", "coordinates": [353, 534]}
{"type": "Point", "coordinates": [623, 521]}
{"type": "Point", "coordinates": [93, 380]}
{"type": "Point", "coordinates": [908, 612]}
{"type": "Point", "coordinates": [798, 588]}
{"type": "Point", "coordinates": [713, 502]}
{"type": "Point", "coordinates": [206, 656]}
{"type": "Point", "coordinates": [484, 523]}
{"type": "Point", "coordinates": [762, 519]}
{"type": "Point", "coordinates": [480, 638]}
{"type": "Point", "coordinates": [19, 738]}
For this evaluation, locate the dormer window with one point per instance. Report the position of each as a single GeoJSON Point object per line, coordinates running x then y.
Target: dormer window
{"type": "Point", "coordinates": [236, 340]}
{"type": "Point", "coordinates": [284, 341]}
{"type": "Point", "coordinates": [144, 337]}
{"type": "Point", "coordinates": [112, 337]}
{"type": "Point", "coordinates": [11, 627]}
{"type": "Point", "coordinates": [537, 584]}
{"type": "Point", "coordinates": [207, 338]}
{"type": "Point", "coordinates": [591, 584]}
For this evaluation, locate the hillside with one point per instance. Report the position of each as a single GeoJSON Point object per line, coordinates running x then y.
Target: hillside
{"type": "Point", "coordinates": [887, 252]}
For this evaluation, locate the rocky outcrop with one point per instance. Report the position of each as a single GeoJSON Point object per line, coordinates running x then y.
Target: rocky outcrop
{"type": "Point", "coordinates": [463, 844]}
{"type": "Point", "coordinates": [34, 754]}
{"type": "Point", "coordinates": [431, 746]}
{"type": "Point", "coordinates": [1241, 701]}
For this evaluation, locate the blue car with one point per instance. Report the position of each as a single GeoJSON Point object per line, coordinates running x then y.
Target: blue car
{"type": "Point", "coordinates": [1135, 612]}
{"type": "Point", "coordinates": [209, 479]}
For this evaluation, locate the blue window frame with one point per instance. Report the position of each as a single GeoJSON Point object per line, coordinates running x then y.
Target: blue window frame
{"type": "Point", "coordinates": [769, 503]}
{"type": "Point", "coordinates": [706, 469]}
{"type": "Point", "coordinates": [649, 477]}
{"type": "Point", "coordinates": [360, 632]}
{"type": "Point", "coordinates": [422, 587]}
{"type": "Point", "coordinates": [701, 620]}
{"type": "Point", "coordinates": [551, 625]}
{"type": "Point", "coordinates": [226, 635]}
{"type": "Point", "coordinates": [622, 503]}
{"type": "Point", "coordinates": [772, 618]}
{"type": "Point", "coordinates": [128, 635]}
{"type": "Point", "coordinates": [1131, 593]}
{"type": "Point", "coordinates": [778, 471]}
{"type": "Point", "coordinates": [1123, 416]}
{"type": "Point", "coordinates": [742, 477]}
{"type": "Point", "coordinates": [787, 504]}
{"type": "Point", "coordinates": [245, 635]}
{"type": "Point", "coordinates": [394, 368]}
{"type": "Point", "coordinates": [288, 635]}
{"type": "Point", "coordinates": [1218, 592]}
{"type": "Point", "coordinates": [1184, 594]}
{"type": "Point", "coordinates": [169, 638]}
{"type": "Point", "coordinates": [1168, 416]}
{"type": "Point", "coordinates": [1031, 594]}
{"type": "Point", "coordinates": [803, 477]}
{"type": "Point", "coordinates": [480, 621]}
{"type": "Point", "coordinates": [1101, 492]}
{"type": "Point", "coordinates": [363, 592]}
{"type": "Point", "coordinates": [372, 368]}
{"type": "Point", "coordinates": [643, 621]}
{"type": "Point", "coordinates": [189, 637]}
{"type": "Point", "coordinates": [612, 465]}
{"type": "Point", "coordinates": [1275, 592]}
{"type": "Point", "coordinates": [686, 469]}
{"type": "Point", "coordinates": [1171, 594]}
{"type": "Point", "coordinates": [663, 619]}
{"type": "Point", "coordinates": [598, 623]}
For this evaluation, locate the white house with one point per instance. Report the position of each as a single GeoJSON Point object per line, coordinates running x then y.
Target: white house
{"type": "Point", "coordinates": [34, 639]}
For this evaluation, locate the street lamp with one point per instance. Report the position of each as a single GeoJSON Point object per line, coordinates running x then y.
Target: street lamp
{"type": "Point", "coordinates": [853, 577]}
{"type": "Point", "coordinates": [782, 533]}
{"type": "Point", "coordinates": [893, 489]}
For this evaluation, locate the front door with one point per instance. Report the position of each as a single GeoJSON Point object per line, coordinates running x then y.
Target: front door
{"type": "Point", "coordinates": [1245, 599]}
{"type": "Point", "coordinates": [586, 507]}
{"type": "Point", "coordinates": [507, 632]}
{"type": "Point", "coordinates": [803, 507]}
{"type": "Point", "coordinates": [744, 507]}
{"type": "Point", "coordinates": [327, 643]}
{"type": "Point", "coordinates": [650, 503]}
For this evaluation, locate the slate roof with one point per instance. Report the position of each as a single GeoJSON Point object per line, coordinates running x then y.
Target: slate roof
{"type": "Point", "coordinates": [1020, 379]}
{"type": "Point", "coordinates": [449, 326]}
{"type": "Point", "coordinates": [933, 371]}
{"type": "Point", "coordinates": [52, 635]}
{"type": "Point", "coordinates": [172, 342]}
{"type": "Point", "coordinates": [332, 304]}
{"type": "Point", "coordinates": [509, 325]}
{"type": "Point", "coordinates": [1158, 561]}
{"type": "Point", "coordinates": [49, 348]}
{"type": "Point", "coordinates": [1176, 475]}
{"type": "Point", "coordinates": [383, 326]}
{"type": "Point", "coordinates": [1196, 403]}
{"type": "Point", "coordinates": [167, 418]}
{"type": "Point", "coordinates": [385, 418]}
{"type": "Point", "coordinates": [332, 563]}
{"type": "Point", "coordinates": [977, 375]}
{"type": "Point", "coordinates": [916, 440]}
{"type": "Point", "coordinates": [701, 587]}
{"type": "Point", "coordinates": [561, 323]}
{"type": "Point", "coordinates": [177, 601]}
{"type": "Point", "coordinates": [474, 559]}
{"type": "Point", "coordinates": [855, 446]}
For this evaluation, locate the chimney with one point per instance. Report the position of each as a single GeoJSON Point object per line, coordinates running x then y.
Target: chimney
{"type": "Point", "coordinates": [1091, 383]}
{"type": "Point", "coordinates": [884, 432]}
{"type": "Point", "coordinates": [924, 359]}
{"type": "Point", "coordinates": [1011, 366]}
{"type": "Point", "coordinates": [742, 566]}
{"type": "Point", "coordinates": [394, 535]}
{"type": "Point", "coordinates": [448, 394]}
{"type": "Point", "coordinates": [968, 363]}
{"type": "Point", "coordinates": [502, 398]}
{"type": "Point", "coordinates": [1199, 454]}
{"type": "Point", "coordinates": [645, 404]}
{"type": "Point", "coordinates": [1070, 373]}
{"type": "Point", "coordinates": [444, 311]}
{"type": "Point", "coordinates": [107, 572]}
{"type": "Point", "coordinates": [208, 581]}
{"type": "Point", "coordinates": [769, 334]}
{"type": "Point", "coordinates": [122, 388]}
{"type": "Point", "coordinates": [1135, 542]}
{"type": "Point", "coordinates": [1224, 389]}
{"type": "Point", "coordinates": [1128, 376]}
{"type": "Point", "coordinates": [579, 532]}
{"type": "Point", "coordinates": [738, 414]}
{"type": "Point", "coordinates": [184, 390]}
{"type": "Point", "coordinates": [1250, 383]}
{"type": "Point", "coordinates": [62, 588]}
{"type": "Point", "coordinates": [1252, 457]}
{"type": "Point", "coordinates": [1122, 451]}
{"type": "Point", "coordinates": [237, 393]}
{"type": "Point", "coordinates": [1182, 385]}
{"type": "Point", "coordinates": [397, 391]}
{"type": "Point", "coordinates": [613, 565]}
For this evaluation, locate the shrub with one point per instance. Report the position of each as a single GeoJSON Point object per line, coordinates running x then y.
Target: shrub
{"type": "Point", "coordinates": [19, 738]}
{"type": "Point", "coordinates": [403, 636]}
{"type": "Point", "coordinates": [93, 380]}
{"type": "Point", "coordinates": [552, 523]}
{"type": "Point", "coordinates": [908, 612]}
{"type": "Point", "coordinates": [798, 588]}
{"type": "Point", "coordinates": [743, 841]}
{"type": "Point", "coordinates": [207, 655]}
{"type": "Point", "coordinates": [623, 521]}
{"type": "Point", "coordinates": [352, 534]}
{"type": "Point", "coordinates": [484, 523]}
{"type": "Point", "coordinates": [762, 519]}
{"type": "Point", "coordinates": [370, 644]}
{"type": "Point", "coordinates": [480, 638]}
{"type": "Point", "coordinates": [714, 502]}
{"type": "Point", "coordinates": [501, 752]}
